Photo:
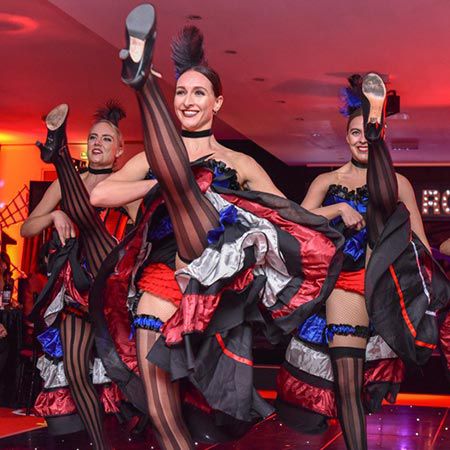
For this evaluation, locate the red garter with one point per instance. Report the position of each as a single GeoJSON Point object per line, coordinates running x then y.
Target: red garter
{"type": "Point", "coordinates": [351, 281]}
{"type": "Point", "coordinates": [159, 279]}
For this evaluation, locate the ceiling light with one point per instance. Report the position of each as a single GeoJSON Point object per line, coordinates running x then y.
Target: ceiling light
{"type": "Point", "coordinates": [15, 24]}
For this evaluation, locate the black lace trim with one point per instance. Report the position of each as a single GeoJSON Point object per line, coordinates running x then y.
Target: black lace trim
{"type": "Point", "coordinates": [223, 173]}
{"type": "Point", "coordinates": [360, 194]}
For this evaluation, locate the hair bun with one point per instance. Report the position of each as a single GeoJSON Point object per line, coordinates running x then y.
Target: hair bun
{"type": "Point", "coordinates": [112, 112]}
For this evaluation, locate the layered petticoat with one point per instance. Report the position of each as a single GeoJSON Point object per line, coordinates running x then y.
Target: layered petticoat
{"type": "Point", "coordinates": [270, 264]}
{"type": "Point", "coordinates": [65, 293]}
{"type": "Point", "coordinates": [404, 290]}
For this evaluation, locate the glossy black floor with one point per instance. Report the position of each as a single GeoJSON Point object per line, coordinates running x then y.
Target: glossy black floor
{"type": "Point", "coordinates": [394, 428]}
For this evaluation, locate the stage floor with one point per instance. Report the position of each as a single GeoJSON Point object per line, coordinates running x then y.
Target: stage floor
{"type": "Point", "coordinates": [394, 428]}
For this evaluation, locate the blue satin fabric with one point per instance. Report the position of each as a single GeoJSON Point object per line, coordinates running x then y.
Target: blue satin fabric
{"type": "Point", "coordinates": [223, 177]}
{"type": "Point", "coordinates": [152, 323]}
{"type": "Point", "coordinates": [51, 343]}
{"type": "Point", "coordinates": [356, 243]}
{"type": "Point", "coordinates": [228, 216]}
{"type": "Point", "coordinates": [313, 330]}
{"type": "Point", "coordinates": [164, 228]}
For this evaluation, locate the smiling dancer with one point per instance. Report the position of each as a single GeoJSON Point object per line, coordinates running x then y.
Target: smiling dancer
{"type": "Point", "coordinates": [236, 241]}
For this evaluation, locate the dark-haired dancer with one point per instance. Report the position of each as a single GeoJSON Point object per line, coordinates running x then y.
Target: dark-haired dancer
{"type": "Point", "coordinates": [236, 241]}
{"type": "Point", "coordinates": [62, 308]}
{"type": "Point", "coordinates": [337, 357]}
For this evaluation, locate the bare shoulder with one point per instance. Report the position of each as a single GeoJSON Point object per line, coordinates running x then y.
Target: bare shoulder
{"type": "Point", "coordinates": [325, 179]}
{"type": "Point", "coordinates": [404, 185]}
{"type": "Point", "coordinates": [135, 168]}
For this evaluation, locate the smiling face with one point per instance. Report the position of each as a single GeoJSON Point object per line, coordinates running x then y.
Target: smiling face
{"type": "Point", "coordinates": [195, 103]}
{"type": "Point", "coordinates": [104, 145]}
{"type": "Point", "coordinates": [357, 141]}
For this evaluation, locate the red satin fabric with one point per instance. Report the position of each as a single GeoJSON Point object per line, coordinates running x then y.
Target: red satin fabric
{"type": "Point", "coordinates": [321, 400]}
{"type": "Point", "coordinates": [316, 251]}
{"type": "Point", "coordinates": [79, 297]}
{"type": "Point", "coordinates": [59, 402]}
{"type": "Point", "coordinates": [299, 393]}
{"type": "Point", "coordinates": [351, 281]}
{"type": "Point", "coordinates": [159, 279]}
{"type": "Point", "coordinates": [196, 310]}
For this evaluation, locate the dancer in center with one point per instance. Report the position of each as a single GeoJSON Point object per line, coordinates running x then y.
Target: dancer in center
{"type": "Point", "coordinates": [236, 241]}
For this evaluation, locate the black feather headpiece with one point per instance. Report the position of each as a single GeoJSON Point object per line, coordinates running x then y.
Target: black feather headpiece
{"type": "Point", "coordinates": [187, 50]}
{"type": "Point", "coordinates": [351, 95]}
{"type": "Point", "coordinates": [112, 112]}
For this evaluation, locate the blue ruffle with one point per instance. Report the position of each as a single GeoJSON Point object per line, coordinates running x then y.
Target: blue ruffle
{"type": "Point", "coordinates": [51, 343]}
{"type": "Point", "coordinates": [346, 330]}
{"type": "Point", "coordinates": [355, 246]}
{"type": "Point", "coordinates": [313, 330]}
{"type": "Point", "coordinates": [146, 322]}
{"type": "Point", "coordinates": [163, 229]}
{"type": "Point", "coordinates": [228, 216]}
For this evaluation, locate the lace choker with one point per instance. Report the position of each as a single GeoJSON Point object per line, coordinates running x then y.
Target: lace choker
{"type": "Point", "coordinates": [99, 171]}
{"type": "Point", "coordinates": [196, 134]}
{"type": "Point", "coordinates": [358, 164]}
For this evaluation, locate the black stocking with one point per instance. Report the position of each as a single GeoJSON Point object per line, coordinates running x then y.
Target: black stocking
{"type": "Point", "coordinates": [163, 397]}
{"type": "Point", "coordinates": [77, 339]}
{"type": "Point", "coordinates": [383, 189]}
{"type": "Point", "coordinates": [95, 239]}
{"type": "Point", "coordinates": [191, 213]}
{"type": "Point", "coordinates": [348, 371]}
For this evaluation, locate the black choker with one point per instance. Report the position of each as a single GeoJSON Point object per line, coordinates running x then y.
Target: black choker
{"type": "Point", "coordinates": [99, 171]}
{"type": "Point", "coordinates": [196, 134]}
{"type": "Point", "coordinates": [358, 164]}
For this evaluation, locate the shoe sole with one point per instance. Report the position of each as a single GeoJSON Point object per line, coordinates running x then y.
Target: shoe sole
{"type": "Point", "coordinates": [375, 91]}
{"type": "Point", "coordinates": [140, 21]}
{"type": "Point", "coordinates": [56, 117]}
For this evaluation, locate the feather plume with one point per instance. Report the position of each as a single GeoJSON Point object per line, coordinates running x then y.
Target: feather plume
{"type": "Point", "coordinates": [187, 50]}
{"type": "Point", "coordinates": [351, 95]}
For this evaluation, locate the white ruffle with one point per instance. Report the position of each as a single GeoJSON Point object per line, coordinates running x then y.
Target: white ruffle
{"type": "Point", "coordinates": [57, 305]}
{"type": "Point", "coordinates": [214, 265]}
{"type": "Point", "coordinates": [53, 375]}
{"type": "Point", "coordinates": [318, 363]}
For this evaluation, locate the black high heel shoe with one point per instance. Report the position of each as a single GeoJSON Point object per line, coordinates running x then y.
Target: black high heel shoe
{"type": "Point", "coordinates": [56, 133]}
{"type": "Point", "coordinates": [373, 106]}
{"type": "Point", "coordinates": [140, 33]}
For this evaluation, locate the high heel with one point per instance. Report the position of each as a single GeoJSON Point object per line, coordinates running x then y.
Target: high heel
{"type": "Point", "coordinates": [373, 106]}
{"type": "Point", "coordinates": [56, 133]}
{"type": "Point", "coordinates": [140, 33]}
